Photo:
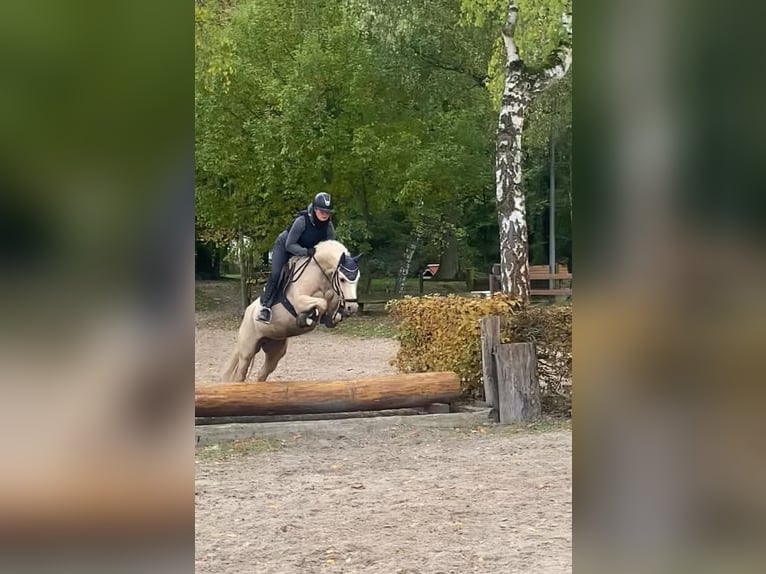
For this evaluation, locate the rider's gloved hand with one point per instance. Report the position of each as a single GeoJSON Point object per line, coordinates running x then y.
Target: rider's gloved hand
{"type": "Point", "coordinates": [310, 251]}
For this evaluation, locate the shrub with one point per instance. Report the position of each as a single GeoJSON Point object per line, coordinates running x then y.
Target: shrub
{"type": "Point", "coordinates": [442, 333]}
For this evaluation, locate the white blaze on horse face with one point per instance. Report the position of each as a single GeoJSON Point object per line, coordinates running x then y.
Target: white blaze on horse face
{"type": "Point", "coordinates": [349, 292]}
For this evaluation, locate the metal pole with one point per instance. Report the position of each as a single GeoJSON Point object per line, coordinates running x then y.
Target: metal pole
{"type": "Point", "coordinates": [552, 214]}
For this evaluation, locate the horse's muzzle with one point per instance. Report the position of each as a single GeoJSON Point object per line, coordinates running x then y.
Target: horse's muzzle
{"type": "Point", "coordinates": [349, 308]}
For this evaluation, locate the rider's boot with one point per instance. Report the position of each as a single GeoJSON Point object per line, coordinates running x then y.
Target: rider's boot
{"type": "Point", "coordinates": [264, 315]}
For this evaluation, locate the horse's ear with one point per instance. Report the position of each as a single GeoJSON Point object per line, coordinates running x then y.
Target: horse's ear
{"type": "Point", "coordinates": [356, 257]}
{"type": "Point", "coordinates": [342, 258]}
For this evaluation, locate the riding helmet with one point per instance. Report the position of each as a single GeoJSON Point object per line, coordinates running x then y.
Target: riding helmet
{"type": "Point", "coordinates": [323, 202]}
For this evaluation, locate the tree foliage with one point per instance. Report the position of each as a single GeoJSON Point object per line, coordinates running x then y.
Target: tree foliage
{"type": "Point", "coordinates": [388, 106]}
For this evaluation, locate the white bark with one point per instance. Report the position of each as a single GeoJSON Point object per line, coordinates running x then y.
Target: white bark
{"type": "Point", "coordinates": [520, 87]}
{"type": "Point", "coordinates": [561, 59]}
{"type": "Point", "coordinates": [509, 29]}
{"type": "Point", "coordinates": [404, 268]}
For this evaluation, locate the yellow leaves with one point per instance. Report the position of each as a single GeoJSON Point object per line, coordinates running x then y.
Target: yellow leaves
{"type": "Point", "coordinates": [442, 332]}
{"type": "Point", "coordinates": [332, 555]}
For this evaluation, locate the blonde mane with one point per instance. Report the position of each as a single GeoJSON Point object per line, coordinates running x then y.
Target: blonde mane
{"type": "Point", "coordinates": [328, 254]}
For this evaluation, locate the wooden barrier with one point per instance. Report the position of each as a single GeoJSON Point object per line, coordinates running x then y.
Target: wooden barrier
{"type": "Point", "coordinates": [509, 371]}
{"type": "Point", "coordinates": [304, 397]}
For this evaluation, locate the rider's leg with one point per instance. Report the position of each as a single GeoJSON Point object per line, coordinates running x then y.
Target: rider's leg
{"type": "Point", "coordinates": [279, 258]}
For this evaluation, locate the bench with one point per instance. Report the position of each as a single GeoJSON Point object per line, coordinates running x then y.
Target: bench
{"type": "Point", "coordinates": [543, 273]}
{"type": "Point", "coordinates": [539, 273]}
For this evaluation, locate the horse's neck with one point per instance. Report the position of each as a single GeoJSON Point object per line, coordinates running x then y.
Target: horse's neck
{"type": "Point", "coordinates": [308, 281]}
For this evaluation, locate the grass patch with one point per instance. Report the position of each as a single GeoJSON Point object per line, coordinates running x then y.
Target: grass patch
{"type": "Point", "coordinates": [228, 450]}
{"type": "Point", "coordinates": [544, 425]}
{"type": "Point", "coordinates": [379, 326]}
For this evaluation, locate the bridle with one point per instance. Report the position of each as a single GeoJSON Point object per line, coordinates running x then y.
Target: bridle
{"type": "Point", "coordinates": [335, 283]}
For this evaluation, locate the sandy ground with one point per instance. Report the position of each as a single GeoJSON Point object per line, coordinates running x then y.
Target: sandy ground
{"type": "Point", "coordinates": [316, 356]}
{"type": "Point", "coordinates": [414, 501]}
{"type": "Point", "coordinates": [404, 501]}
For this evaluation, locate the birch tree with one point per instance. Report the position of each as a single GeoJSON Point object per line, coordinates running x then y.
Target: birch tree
{"type": "Point", "coordinates": [541, 32]}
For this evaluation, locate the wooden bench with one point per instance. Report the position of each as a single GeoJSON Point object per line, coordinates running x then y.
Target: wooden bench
{"type": "Point", "coordinates": [539, 273]}
{"type": "Point", "coordinates": [543, 273]}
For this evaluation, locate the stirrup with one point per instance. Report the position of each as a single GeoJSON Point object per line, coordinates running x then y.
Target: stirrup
{"type": "Point", "coordinates": [264, 315]}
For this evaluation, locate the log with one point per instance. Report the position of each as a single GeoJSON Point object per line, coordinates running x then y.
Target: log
{"type": "Point", "coordinates": [301, 397]}
{"type": "Point", "coordinates": [517, 385]}
{"type": "Point", "coordinates": [490, 338]}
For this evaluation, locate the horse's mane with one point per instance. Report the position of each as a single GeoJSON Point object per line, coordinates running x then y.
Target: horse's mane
{"type": "Point", "coordinates": [327, 254]}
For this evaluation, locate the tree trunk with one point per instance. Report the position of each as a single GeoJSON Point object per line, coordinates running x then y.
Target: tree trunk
{"type": "Point", "coordinates": [364, 265]}
{"type": "Point", "coordinates": [417, 236]}
{"type": "Point", "coordinates": [449, 261]}
{"type": "Point", "coordinates": [520, 86]}
{"type": "Point", "coordinates": [552, 213]}
{"type": "Point", "coordinates": [404, 268]}
{"type": "Point", "coordinates": [244, 275]}
{"type": "Point", "coordinates": [511, 204]}
{"type": "Point", "coordinates": [207, 261]}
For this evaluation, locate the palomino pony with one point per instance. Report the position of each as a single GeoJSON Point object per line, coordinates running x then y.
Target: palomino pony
{"type": "Point", "coordinates": [319, 288]}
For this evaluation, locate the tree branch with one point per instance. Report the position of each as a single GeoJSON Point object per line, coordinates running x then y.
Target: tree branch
{"type": "Point", "coordinates": [559, 60]}
{"type": "Point", "coordinates": [480, 79]}
{"type": "Point", "coordinates": [508, 31]}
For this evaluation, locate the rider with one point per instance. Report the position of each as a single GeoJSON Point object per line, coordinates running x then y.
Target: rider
{"type": "Point", "coordinates": [311, 226]}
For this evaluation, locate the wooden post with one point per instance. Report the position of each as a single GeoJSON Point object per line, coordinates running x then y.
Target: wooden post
{"type": "Point", "coordinates": [490, 339]}
{"type": "Point", "coordinates": [517, 385]}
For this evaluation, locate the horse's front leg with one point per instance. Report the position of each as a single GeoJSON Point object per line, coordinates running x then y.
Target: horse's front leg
{"type": "Point", "coordinates": [310, 310]}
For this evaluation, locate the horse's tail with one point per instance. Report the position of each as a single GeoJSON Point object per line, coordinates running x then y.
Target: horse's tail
{"type": "Point", "coordinates": [231, 367]}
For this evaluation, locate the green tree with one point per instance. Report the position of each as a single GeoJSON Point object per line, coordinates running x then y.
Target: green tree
{"type": "Point", "coordinates": [536, 37]}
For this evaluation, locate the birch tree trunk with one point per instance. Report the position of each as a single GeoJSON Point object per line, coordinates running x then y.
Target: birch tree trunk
{"type": "Point", "coordinates": [244, 275]}
{"type": "Point", "coordinates": [404, 268]}
{"type": "Point", "coordinates": [521, 85]}
{"type": "Point", "coordinates": [417, 236]}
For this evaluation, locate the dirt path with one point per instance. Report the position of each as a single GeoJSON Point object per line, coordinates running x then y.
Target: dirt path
{"type": "Point", "coordinates": [315, 356]}
{"type": "Point", "coordinates": [401, 501]}
{"type": "Point", "coordinates": [410, 501]}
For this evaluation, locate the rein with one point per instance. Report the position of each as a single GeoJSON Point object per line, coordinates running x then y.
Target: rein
{"type": "Point", "coordinates": [335, 284]}
{"type": "Point", "coordinates": [297, 272]}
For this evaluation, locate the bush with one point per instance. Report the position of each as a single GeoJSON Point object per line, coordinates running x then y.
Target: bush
{"type": "Point", "coordinates": [441, 333]}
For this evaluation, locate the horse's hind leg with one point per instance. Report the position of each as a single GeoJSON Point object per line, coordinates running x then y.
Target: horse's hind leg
{"type": "Point", "coordinates": [274, 351]}
{"type": "Point", "coordinates": [248, 344]}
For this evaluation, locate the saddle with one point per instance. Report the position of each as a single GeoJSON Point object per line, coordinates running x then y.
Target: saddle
{"type": "Point", "coordinates": [285, 278]}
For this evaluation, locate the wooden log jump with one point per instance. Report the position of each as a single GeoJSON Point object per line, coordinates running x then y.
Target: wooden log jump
{"type": "Point", "coordinates": [306, 397]}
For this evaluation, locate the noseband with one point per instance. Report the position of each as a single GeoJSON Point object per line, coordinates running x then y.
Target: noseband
{"type": "Point", "coordinates": [334, 280]}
